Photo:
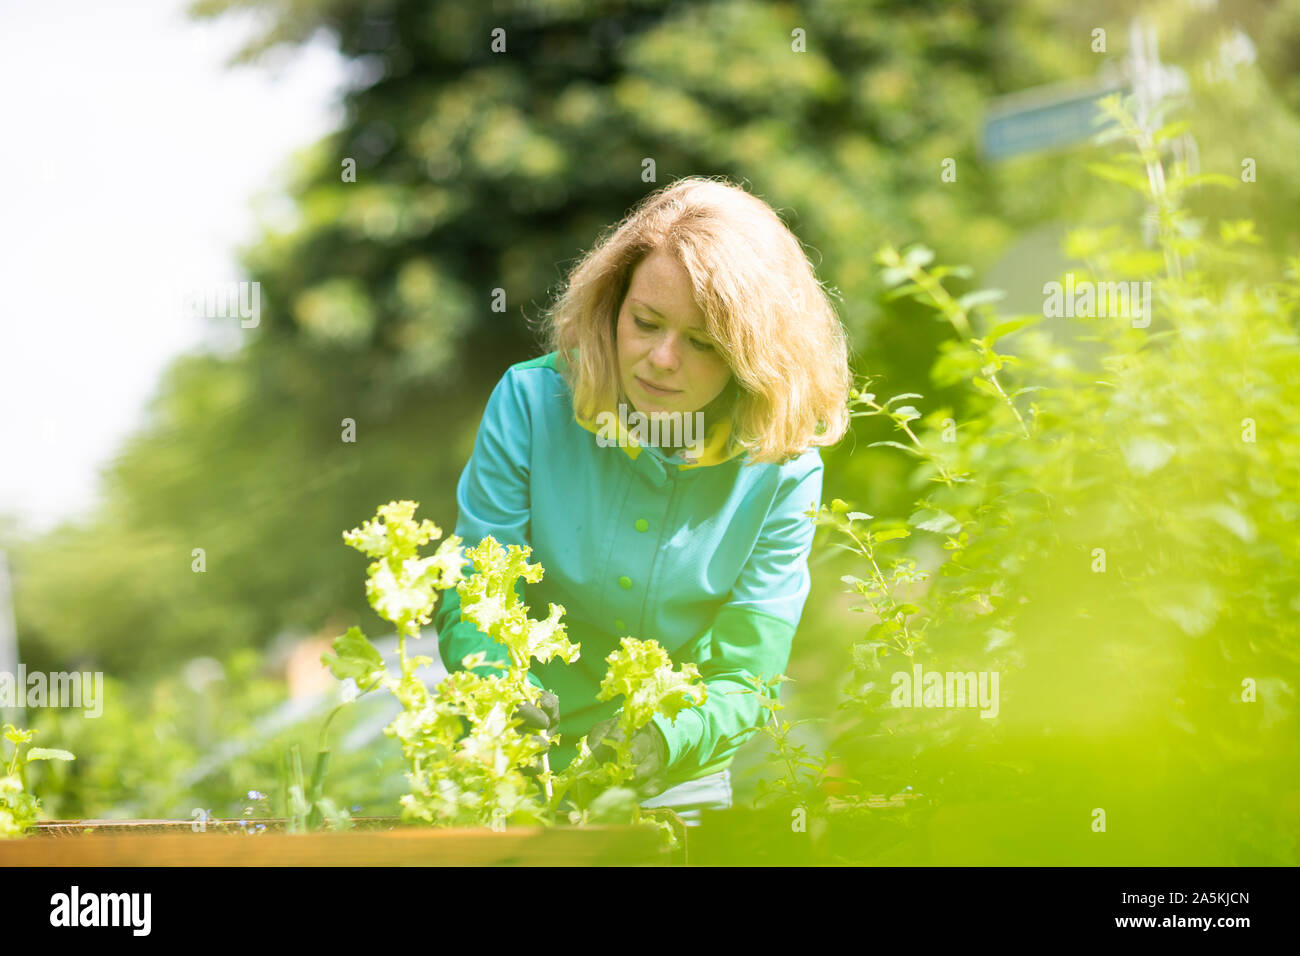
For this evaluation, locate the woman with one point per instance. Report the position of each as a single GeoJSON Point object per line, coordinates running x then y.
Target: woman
{"type": "Point", "coordinates": [700, 307]}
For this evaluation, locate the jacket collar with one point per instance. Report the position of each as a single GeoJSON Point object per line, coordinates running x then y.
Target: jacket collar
{"type": "Point", "coordinates": [718, 447]}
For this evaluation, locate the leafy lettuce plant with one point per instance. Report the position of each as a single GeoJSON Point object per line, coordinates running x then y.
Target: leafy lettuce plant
{"type": "Point", "coordinates": [19, 809]}
{"type": "Point", "coordinates": [643, 673]}
{"type": "Point", "coordinates": [471, 762]}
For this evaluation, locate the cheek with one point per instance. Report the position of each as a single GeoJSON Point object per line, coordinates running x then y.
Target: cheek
{"type": "Point", "coordinates": [713, 376]}
{"type": "Point", "coordinates": [629, 337]}
{"type": "Point", "coordinates": [623, 342]}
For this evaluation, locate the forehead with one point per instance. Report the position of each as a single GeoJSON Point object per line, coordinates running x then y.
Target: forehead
{"type": "Point", "coordinates": [661, 286]}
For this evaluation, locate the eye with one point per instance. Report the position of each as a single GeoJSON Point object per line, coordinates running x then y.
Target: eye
{"type": "Point", "coordinates": [702, 346]}
{"type": "Point", "coordinates": [641, 324]}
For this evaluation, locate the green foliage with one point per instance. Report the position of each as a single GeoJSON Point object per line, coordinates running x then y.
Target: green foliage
{"type": "Point", "coordinates": [1115, 541]}
{"type": "Point", "coordinates": [163, 750]}
{"type": "Point", "coordinates": [400, 585]}
{"type": "Point", "coordinates": [471, 763]}
{"type": "Point", "coordinates": [356, 659]}
{"type": "Point", "coordinates": [19, 809]}
{"type": "Point", "coordinates": [490, 600]}
{"type": "Point", "coordinates": [642, 673]}
{"type": "Point", "coordinates": [306, 806]}
{"type": "Point", "coordinates": [804, 778]}
{"type": "Point", "coordinates": [455, 780]}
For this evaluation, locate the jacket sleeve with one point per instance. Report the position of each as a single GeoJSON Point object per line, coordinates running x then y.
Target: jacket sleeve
{"type": "Point", "coordinates": [492, 499]}
{"type": "Point", "coordinates": [751, 636]}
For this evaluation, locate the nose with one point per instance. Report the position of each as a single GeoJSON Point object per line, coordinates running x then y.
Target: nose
{"type": "Point", "coordinates": [664, 355]}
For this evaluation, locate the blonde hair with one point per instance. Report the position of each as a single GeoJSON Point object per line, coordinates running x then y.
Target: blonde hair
{"type": "Point", "coordinates": [766, 313]}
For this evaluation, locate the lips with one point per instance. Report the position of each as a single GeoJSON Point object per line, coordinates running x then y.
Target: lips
{"type": "Point", "coordinates": [656, 389]}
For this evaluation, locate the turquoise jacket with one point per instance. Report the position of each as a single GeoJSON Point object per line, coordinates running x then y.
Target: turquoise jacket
{"type": "Point", "coordinates": [710, 559]}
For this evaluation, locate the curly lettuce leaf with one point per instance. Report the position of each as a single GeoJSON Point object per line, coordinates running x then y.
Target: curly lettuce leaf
{"type": "Point", "coordinates": [356, 658]}
{"type": "Point", "coordinates": [489, 599]}
{"type": "Point", "coordinates": [643, 673]}
{"type": "Point", "coordinates": [401, 585]}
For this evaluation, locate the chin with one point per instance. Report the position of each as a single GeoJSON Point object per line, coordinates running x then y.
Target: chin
{"type": "Point", "coordinates": [660, 405]}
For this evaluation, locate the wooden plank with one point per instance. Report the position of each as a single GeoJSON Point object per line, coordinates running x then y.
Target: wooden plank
{"type": "Point", "coordinates": [107, 827]}
{"type": "Point", "coordinates": [533, 846]}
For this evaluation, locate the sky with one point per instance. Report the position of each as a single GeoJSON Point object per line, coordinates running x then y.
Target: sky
{"type": "Point", "coordinates": [130, 159]}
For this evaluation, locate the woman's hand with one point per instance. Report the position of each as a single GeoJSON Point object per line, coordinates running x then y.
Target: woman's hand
{"type": "Point", "coordinates": [544, 716]}
{"type": "Point", "coordinates": [649, 754]}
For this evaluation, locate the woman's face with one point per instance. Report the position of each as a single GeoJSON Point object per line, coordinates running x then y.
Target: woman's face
{"type": "Point", "coordinates": [666, 360]}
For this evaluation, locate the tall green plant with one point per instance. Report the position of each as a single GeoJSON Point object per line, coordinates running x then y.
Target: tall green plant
{"type": "Point", "coordinates": [1114, 540]}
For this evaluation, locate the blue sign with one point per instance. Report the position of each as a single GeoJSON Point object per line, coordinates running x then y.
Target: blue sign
{"type": "Point", "coordinates": [1044, 119]}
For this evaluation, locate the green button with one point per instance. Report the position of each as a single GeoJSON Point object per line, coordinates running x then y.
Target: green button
{"type": "Point", "coordinates": [619, 625]}
{"type": "Point", "coordinates": [642, 524]}
{"type": "Point", "coordinates": [625, 582]}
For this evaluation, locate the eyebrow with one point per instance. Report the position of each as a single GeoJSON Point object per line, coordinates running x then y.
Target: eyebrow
{"type": "Point", "coordinates": [657, 314]}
